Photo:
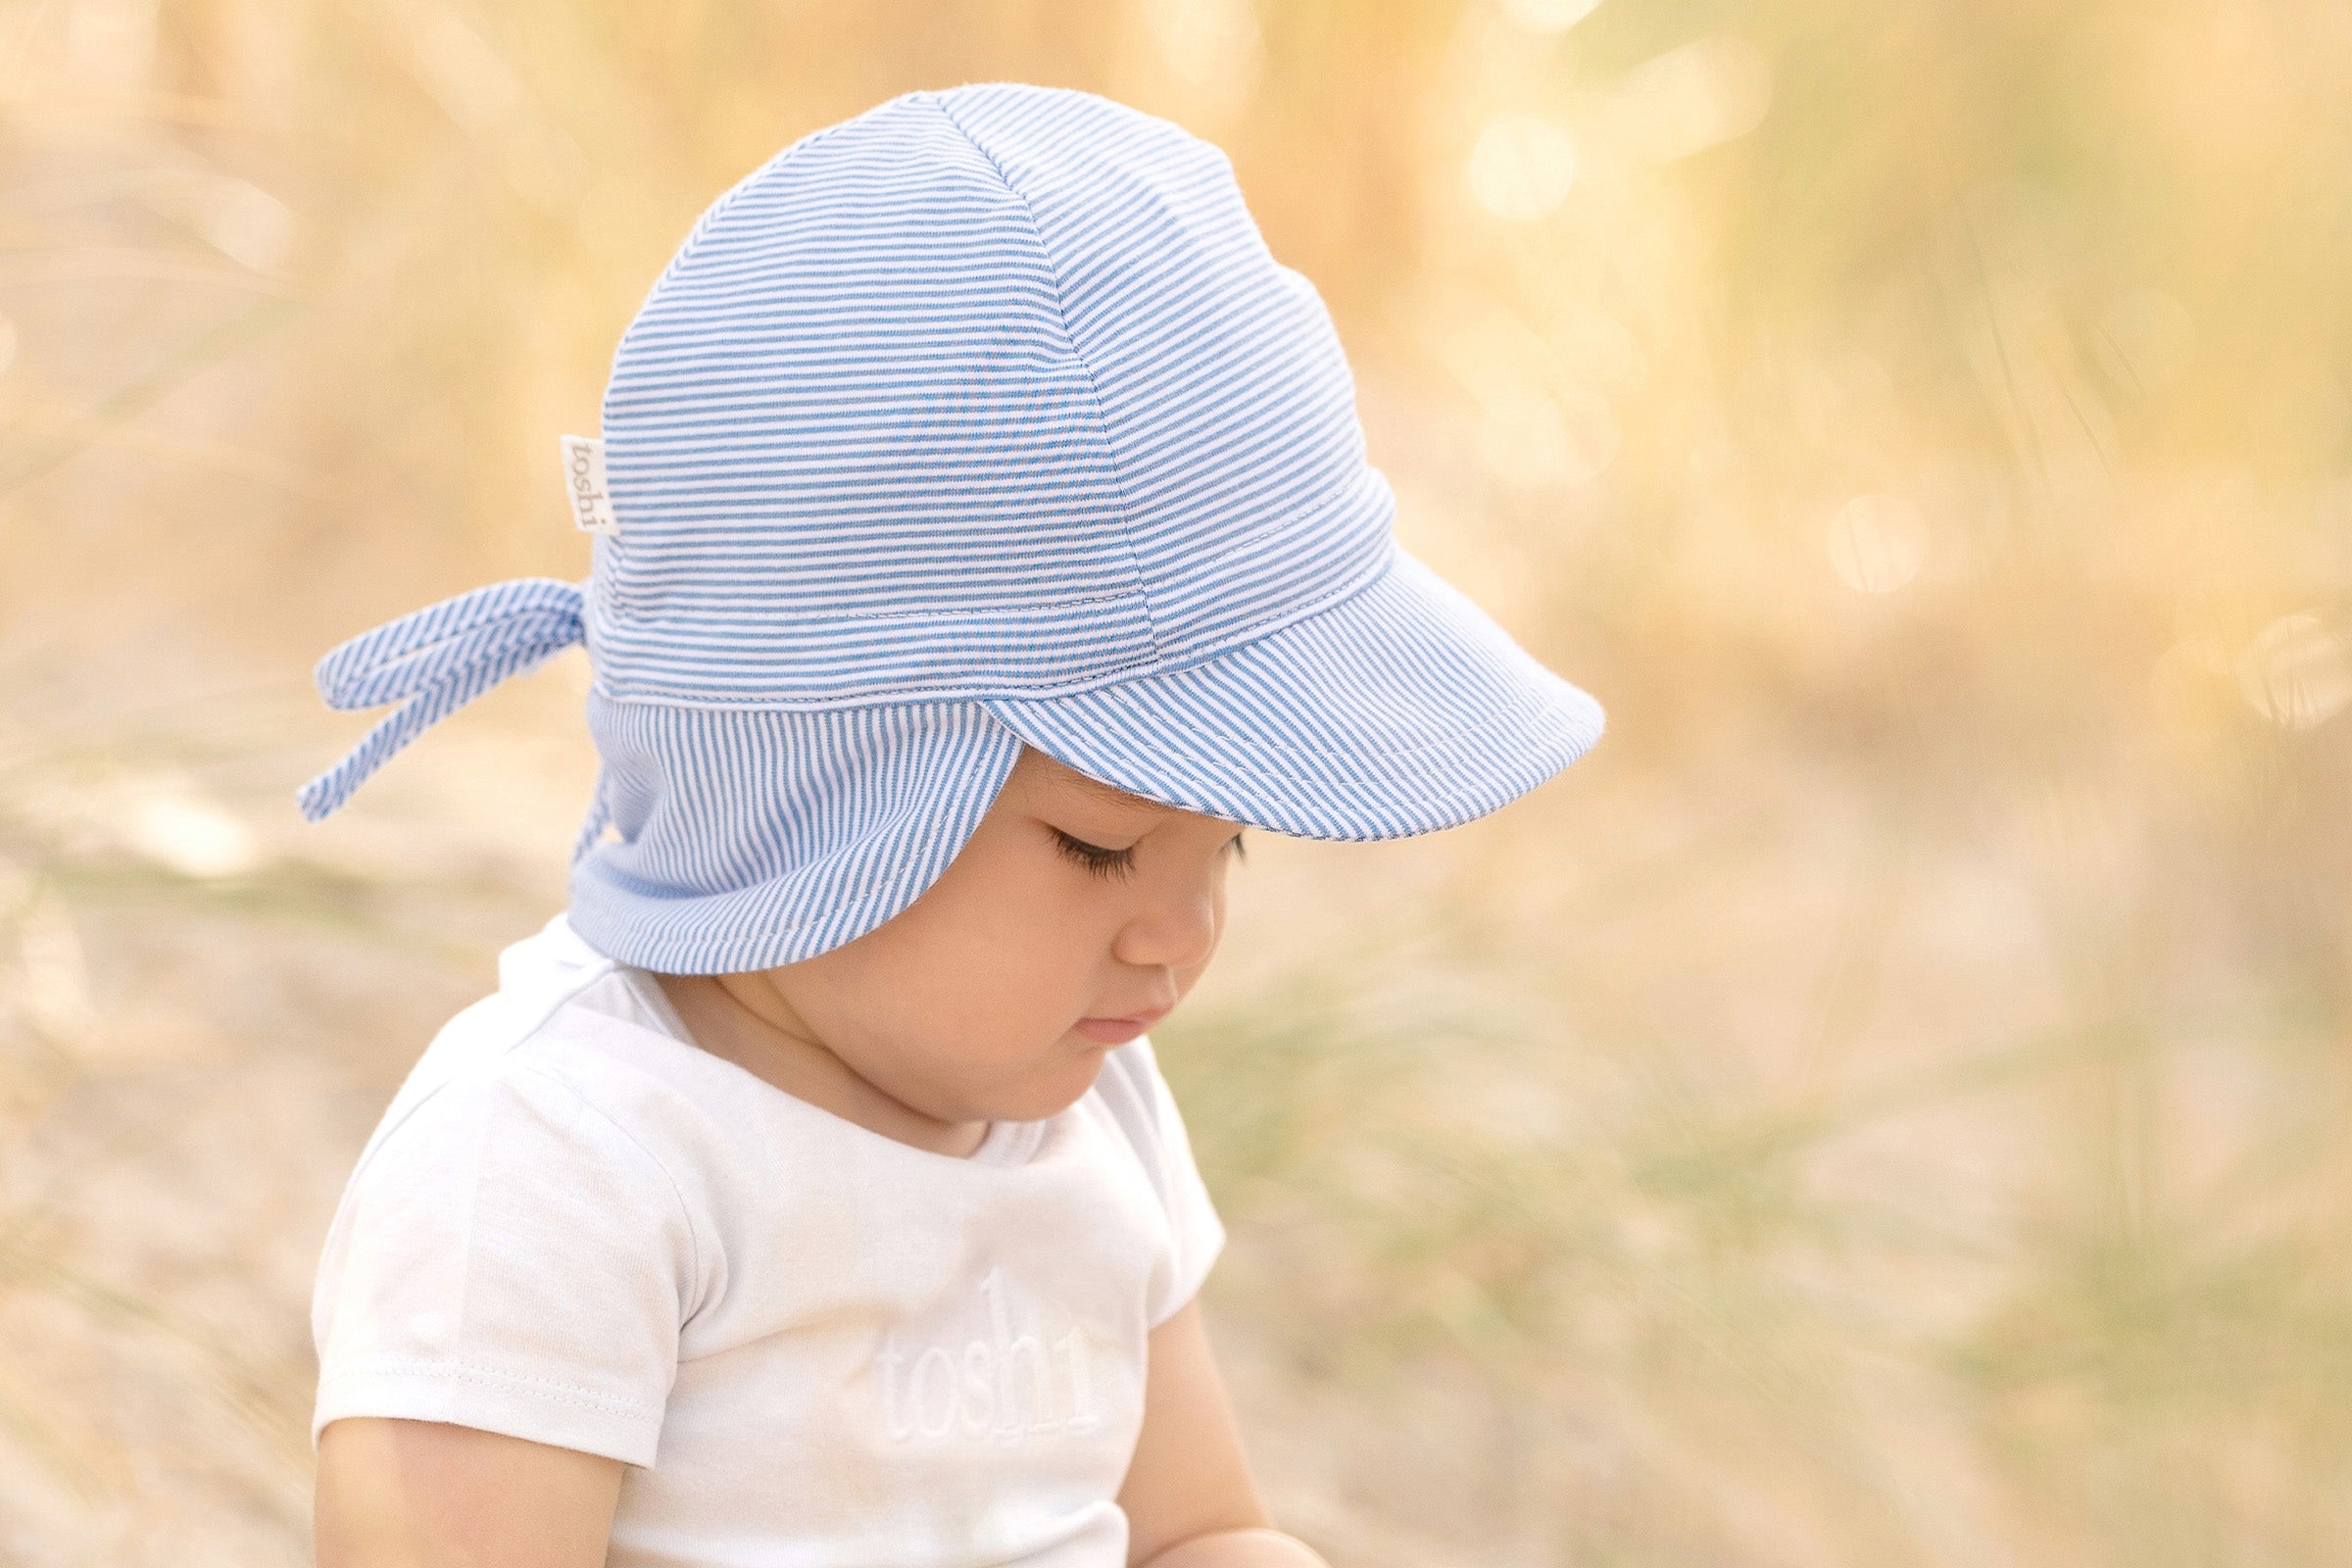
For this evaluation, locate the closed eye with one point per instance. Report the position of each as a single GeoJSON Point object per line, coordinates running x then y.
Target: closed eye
{"type": "Point", "coordinates": [1109, 864]}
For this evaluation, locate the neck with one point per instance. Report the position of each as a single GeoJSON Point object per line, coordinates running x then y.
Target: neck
{"type": "Point", "coordinates": [756, 1029]}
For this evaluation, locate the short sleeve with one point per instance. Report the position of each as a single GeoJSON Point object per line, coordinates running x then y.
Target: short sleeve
{"type": "Point", "coordinates": [507, 1256]}
{"type": "Point", "coordinates": [1140, 1098]}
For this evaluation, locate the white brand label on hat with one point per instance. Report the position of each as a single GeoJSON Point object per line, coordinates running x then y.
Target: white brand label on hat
{"type": "Point", "coordinates": [584, 482]}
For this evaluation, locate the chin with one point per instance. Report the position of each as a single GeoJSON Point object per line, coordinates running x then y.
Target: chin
{"type": "Point", "coordinates": [1054, 1089]}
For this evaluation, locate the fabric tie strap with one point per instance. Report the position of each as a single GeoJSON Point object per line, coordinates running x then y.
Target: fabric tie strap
{"type": "Point", "coordinates": [439, 658]}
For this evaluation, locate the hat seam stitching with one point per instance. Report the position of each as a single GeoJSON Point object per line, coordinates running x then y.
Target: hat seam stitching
{"type": "Point", "coordinates": [923, 616]}
{"type": "Point", "coordinates": [1383, 563]}
{"type": "Point", "coordinates": [690, 249]}
{"type": "Point", "coordinates": [1094, 388]}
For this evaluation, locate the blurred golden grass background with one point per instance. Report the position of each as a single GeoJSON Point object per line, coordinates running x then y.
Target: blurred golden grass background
{"type": "Point", "coordinates": [1885, 1105]}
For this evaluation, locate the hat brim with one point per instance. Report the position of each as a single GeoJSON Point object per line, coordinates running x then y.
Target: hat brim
{"type": "Point", "coordinates": [1403, 708]}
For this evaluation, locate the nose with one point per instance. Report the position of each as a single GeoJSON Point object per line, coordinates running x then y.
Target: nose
{"type": "Point", "coordinates": [1178, 931]}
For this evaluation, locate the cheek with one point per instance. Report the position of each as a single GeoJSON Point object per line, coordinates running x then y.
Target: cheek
{"type": "Point", "coordinates": [992, 967]}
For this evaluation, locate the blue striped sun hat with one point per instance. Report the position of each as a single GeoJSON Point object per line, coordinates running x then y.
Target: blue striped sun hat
{"type": "Point", "coordinates": [984, 417]}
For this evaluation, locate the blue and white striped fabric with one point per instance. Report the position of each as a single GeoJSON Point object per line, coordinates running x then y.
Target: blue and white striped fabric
{"type": "Point", "coordinates": [439, 658]}
{"type": "Point", "coordinates": [984, 417]}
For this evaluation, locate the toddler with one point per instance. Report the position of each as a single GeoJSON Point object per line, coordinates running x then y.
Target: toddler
{"type": "Point", "coordinates": [982, 542]}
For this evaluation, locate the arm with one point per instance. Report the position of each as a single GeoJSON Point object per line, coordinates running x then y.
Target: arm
{"type": "Point", "coordinates": [1189, 1496]}
{"type": "Point", "coordinates": [395, 1494]}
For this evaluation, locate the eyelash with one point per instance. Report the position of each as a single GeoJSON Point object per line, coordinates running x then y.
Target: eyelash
{"type": "Point", "coordinates": [1109, 864]}
{"type": "Point", "coordinates": [1116, 864]}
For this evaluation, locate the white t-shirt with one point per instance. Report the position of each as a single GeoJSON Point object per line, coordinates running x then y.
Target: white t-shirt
{"type": "Point", "coordinates": [812, 1343]}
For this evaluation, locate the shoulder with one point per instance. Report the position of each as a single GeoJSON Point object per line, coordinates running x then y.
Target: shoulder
{"type": "Point", "coordinates": [522, 1242]}
{"type": "Point", "coordinates": [576, 1052]}
{"type": "Point", "coordinates": [564, 1107]}
{"type": "Point", "coordinates": [537, 1128]}
{"type": "Point", "coordinates": [686, 1107]}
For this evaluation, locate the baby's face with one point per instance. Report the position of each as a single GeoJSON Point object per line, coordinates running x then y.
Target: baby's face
{"type": "Point", "coordinates": [986, 999]}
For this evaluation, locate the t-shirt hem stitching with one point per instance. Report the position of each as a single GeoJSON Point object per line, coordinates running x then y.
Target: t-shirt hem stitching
{"type": "Point", "coordinates": [440, 1369]}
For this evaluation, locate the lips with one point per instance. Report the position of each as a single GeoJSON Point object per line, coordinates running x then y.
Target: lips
{"type": "Point", "coordinates": [1118, 1031]}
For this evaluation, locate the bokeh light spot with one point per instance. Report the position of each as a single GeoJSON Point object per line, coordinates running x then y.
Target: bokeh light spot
{"type": "Point", "coordinates": [2296, 673]}
{"type": "Point", "coordinates": [1214, 45]}
{"type": "Point", "coordinates": [1522, 166]}
{"type": "Point", "coordinates": [247, 225]}
{"type": "Point", "coordinates": [1536, 439]}
{"type": "Point", "coordinates": [1548, 16]}
{"type": "Point", "coordinates": [1695, 96]}
{"type": "Point", "coordinates": [1877, 543]}
{"type": "Point", "coordinates": [166, 820]}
